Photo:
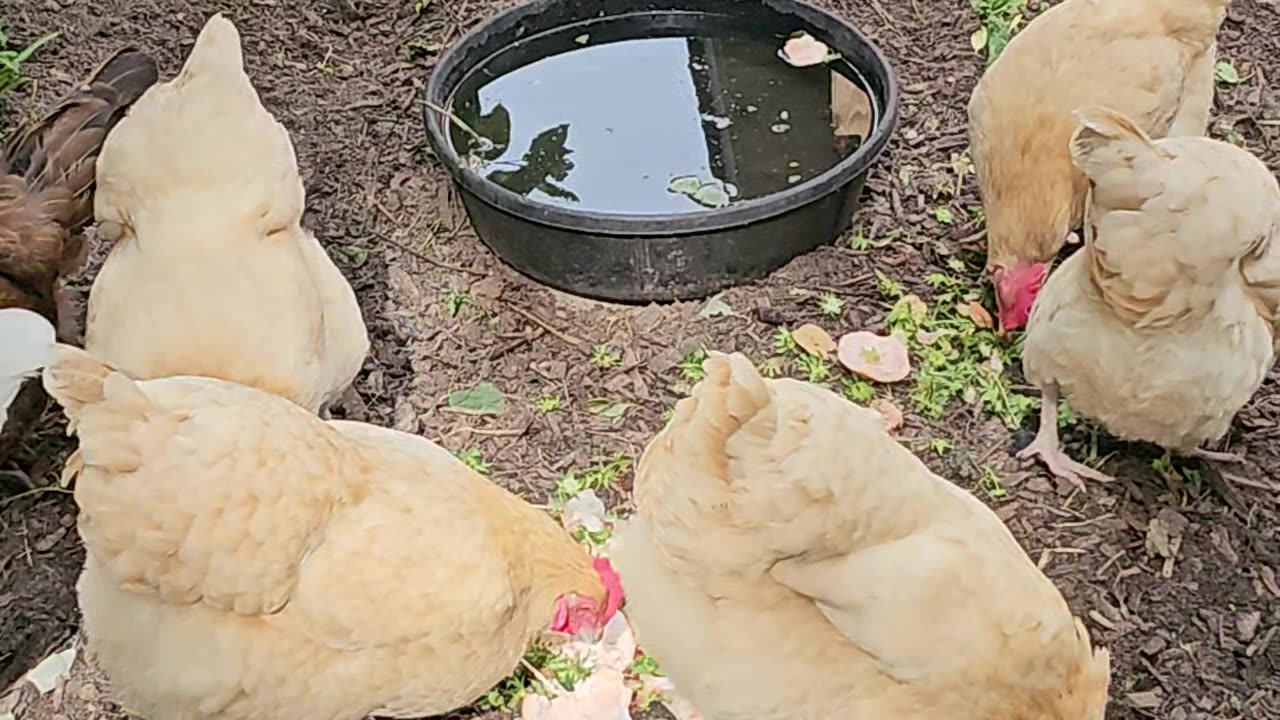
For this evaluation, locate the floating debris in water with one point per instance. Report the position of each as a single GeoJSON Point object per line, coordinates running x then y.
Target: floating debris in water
{"type": "Point", "coordinates": [752, 108]}
{"type": "Point", "coordinates": [793, 179]}
{"type": "Point", "coordinates": [793, 164]}
{"type": "Point", "coordinates": [582, 39]}
{"type": "Point", "coordinates": [784, 115]}
{"type": "Point", "coordinates": [713, 194]}
{"type": "Point", "coordinates": [720, 122]}
{"type": "Point", "coordinates": [684, 185]}
{"type": "Point", "coordinates": [779, 128]}
{"type": "Point", "coordinates": [804, 50]}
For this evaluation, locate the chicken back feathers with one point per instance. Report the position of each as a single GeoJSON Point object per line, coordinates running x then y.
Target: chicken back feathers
{"type": "Point", "coordinates": [248, 560]}
{"type": "Point", "coordinates": [212, 273]}
{"type": "Point", "coordinates": [1173, 290]}
{"type": "Point", "coordinates": [787, 559]}
{"type": "Point", "coordinates": [1020, 117]}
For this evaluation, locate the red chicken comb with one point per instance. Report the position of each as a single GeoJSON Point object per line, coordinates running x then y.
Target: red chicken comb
{"type": "Point", "coordinates": [613, 594]}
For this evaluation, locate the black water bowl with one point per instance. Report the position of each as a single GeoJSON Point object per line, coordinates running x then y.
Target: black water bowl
{"type": "Point", "coordinates": [642, 150]}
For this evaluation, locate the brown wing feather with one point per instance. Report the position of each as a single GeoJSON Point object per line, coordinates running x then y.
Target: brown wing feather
{"type": "Point", "coordinates": [47, 171]}
{"type": "Point", "coordinates": [61, 148]}
{"type": "Point", "coordinates": [47, 177]}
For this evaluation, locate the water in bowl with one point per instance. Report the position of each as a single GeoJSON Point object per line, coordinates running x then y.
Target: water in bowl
{"type": "Point", "coordinates": [601, 120]}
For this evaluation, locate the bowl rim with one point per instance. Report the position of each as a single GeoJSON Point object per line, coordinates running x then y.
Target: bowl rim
{"type": "Point", "coordinates": [665, 224]}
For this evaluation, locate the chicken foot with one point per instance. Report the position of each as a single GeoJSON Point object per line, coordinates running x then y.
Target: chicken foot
{"type": "Point", "coordinates": [1216, 456]}
{"type": "Point", "coordinates": [1046, 447]}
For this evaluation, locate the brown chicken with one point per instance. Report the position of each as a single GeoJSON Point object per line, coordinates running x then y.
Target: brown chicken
{"type": "Point", "coordinates": [46, 198]}
{"type": "Point", "coordinates": [1162, 326]}
{"type": "Point", "coordinates": [1152, 60]}
{"type": "Point", "coordinates": [248, 560]}
{"type": "Point", "coordinates": [789, 561]}
{"type": "Point", "coordinates": [213, 274]}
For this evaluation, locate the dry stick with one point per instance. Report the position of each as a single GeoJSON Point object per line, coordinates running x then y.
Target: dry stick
{"type": "Point", "coordinates": [458, 121]}
{"type": "Point", "coordinates": [551, 689]}
{"type": "Point", "coordinates": [571, 340]}
{"type": "Point", "coordinates": [429, 260]}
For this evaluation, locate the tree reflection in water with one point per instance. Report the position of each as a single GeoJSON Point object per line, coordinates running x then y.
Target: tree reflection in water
{"type": "Point", "coordinates": [544, 164]}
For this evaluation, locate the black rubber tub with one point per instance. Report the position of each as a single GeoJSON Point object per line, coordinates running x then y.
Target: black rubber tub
{"type": "Point", "coordinates": [638, 258]}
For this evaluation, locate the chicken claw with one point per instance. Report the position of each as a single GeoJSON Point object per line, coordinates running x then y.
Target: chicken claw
{"type": "Point", "coordinates": [1062, 466]}
{"type": "Point", "coordinates": [1045, 446]}
{"type": "Point", "coordinates": [1215, 456]}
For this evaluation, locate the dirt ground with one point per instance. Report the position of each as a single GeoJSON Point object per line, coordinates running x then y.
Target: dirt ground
{"type": "Point", "coordinates": [1191, 638]}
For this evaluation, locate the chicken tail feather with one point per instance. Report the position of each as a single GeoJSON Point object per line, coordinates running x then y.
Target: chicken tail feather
{"type": "Point", "coordinates": [28, 340]}
{"type": "Point", "coordinates": [102, 404]}
{"type": "Point", "coordinates": [731, 394]}
{"type": "Point", "coordinates": [60, 150]}
{"type": "Point", "coordinates": [734, 386]}
{"type": "Point", "coordinates": [1105, 140]}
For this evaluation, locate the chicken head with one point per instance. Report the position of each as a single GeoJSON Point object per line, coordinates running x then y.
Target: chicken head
{"type": "Point", "coordinates": [1016, 290]}
{"type": "Point", "coordinates": [581, 616]}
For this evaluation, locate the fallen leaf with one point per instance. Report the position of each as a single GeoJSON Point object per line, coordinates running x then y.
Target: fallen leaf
{"type": "Point", "coordinates": [712, 195]}
{"type": "Point", "coordinates": [892, 415]}
{"type": "Point", "coordinates": [978, 39]}
{"type": "Point", "coordinates": [483, 399]}
{"type": "Point", "coordinates": [916, 308]}
{"type": "Point", "coordinates": [684, 185]}
{"type": "Point", "coordinates": [583, 510]}
{"type": "Point", "coordinates": [1226, 73]}
{"type": "Point", "coordinates": [929, 337]}
{"type": "Point", "coordinates": [1164, 537]}
{"type": "Point", "coordinates": [875, 357]}
{"type": "Point", "coordinates": [1164, 533]}
{"type": "Point", "coordinates": [715, 307]}
{"type": "Point", "coordinates": [978, 314]}
{"type": "Point", "coordinates": [52, 670]}
{"type": "Point", "coordinates": [1146, 700]}
{"type": "Point", "coordinates": [606, 407]}
{"type": "Point", "coordinates": [357, 256]}
{"type": "Point", "coordinates": [814, 340]}
{"type": "Point", "coordinates": [804, 50]}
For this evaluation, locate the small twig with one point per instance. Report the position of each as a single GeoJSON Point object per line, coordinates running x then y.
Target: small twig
{"type": "Point", "coordinates": [551, 688]}
{"type": "Point", "coordinates": [427, 259]}
{"type": "Point", "coordinates": [484, 141]}
{"type": "Point", "coordinates": [513, 432]}
{"type": "Point", "coordinates": [564, 337]}
{"type": "Point", "coordinates": [32, 493]}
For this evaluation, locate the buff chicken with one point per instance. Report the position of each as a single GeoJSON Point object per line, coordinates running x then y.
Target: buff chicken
{"type": "Point", "coordinates": [212, 273]}
{"type": "Point", "coordinates": [788, 560]}
{"type": "Point", "coordinates": [1152, 60]}
{"type": "Point", "coordinates": [248, 560]}
{"type": "Point", "coordinates": [1163, 325]}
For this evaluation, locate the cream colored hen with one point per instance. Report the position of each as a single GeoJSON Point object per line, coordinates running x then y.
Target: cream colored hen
{"type": "Point", "coordinates": [789, 561]}
{"type": "Point", "coordinates": [212, 273]}
{"type": "Point", "coordinates": [1161, 327]}
{"type": "Point", "coordinates": [1151, 59]}
{"type": "Point", "coordinates": [247, 560]}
